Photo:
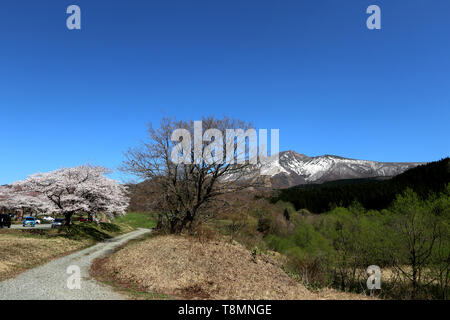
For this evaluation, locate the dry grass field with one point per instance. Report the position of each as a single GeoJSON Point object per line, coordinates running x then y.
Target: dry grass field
{"type": "Point", "coordinates": [185, 268]}
{"type": "Point", "coordinates": [19, 252]}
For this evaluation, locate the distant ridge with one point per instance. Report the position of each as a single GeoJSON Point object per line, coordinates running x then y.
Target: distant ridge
{"type": "Point", "coordinates": [295, 169]}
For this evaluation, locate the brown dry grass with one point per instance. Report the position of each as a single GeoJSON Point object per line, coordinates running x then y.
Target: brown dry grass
{"type": "Point", "coordinates": [184, 267]}
{"type": "Point", "coordinates": [18, 252]}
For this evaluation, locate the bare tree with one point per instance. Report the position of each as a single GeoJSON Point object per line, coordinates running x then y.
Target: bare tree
{"type": "Point", "coordinates": [189, 192]}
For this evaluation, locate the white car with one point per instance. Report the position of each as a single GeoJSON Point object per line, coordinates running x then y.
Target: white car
{"type": "Point", "coordinates": [50, 219]}
{"type": "Point", "coordinates": [38, 221]}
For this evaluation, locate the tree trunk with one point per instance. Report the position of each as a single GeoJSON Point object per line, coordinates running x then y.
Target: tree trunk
{"type": "Point", "coordinates": [68, 216]}
{"type": "Point", "coordinates": [174, 225]}
{"type": "Point", "coordinates": [159, 224]}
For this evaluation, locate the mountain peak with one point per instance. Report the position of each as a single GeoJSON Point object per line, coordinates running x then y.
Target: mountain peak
{"type": "Point", "coordinates": [294, 168]}
{"type": "Point", "coordinates": [292, 153]}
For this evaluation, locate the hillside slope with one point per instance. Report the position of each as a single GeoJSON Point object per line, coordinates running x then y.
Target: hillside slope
{"type": "Point", "coordinates": [183, 267]}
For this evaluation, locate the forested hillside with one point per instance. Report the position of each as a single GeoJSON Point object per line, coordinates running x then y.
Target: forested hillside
{"type": "Point", "coordinates": [372, 194]}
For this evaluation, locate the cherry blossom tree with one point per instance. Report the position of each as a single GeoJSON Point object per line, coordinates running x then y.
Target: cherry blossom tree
{"type": "Point", "coordinates": [26, 201]}
{"type": "Point", "coordinates": [79, 189]}
{"type": "Point", "coordinates": [5, 195]}
{"type": "Point", "coordinates": [14, 198]}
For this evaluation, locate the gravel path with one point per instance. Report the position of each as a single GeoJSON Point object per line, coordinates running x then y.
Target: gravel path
{"type": "Point", "coordinates": [50, 281]}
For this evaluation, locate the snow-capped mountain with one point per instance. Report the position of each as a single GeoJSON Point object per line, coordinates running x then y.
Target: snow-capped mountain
{"type": "Point", "coordinates": [294, 169]}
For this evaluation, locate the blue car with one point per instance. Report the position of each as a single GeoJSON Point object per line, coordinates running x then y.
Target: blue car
{"type": "Point", "coordinates": [29, 222]}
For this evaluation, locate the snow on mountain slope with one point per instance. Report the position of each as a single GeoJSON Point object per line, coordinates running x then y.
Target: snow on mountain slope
{"type": "Point", "coordinates": [294, 168]}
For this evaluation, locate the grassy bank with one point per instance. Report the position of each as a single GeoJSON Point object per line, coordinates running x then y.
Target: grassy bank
{"type": "Point", "coordinates": [137, 220]}
{"type": "Point", "coordinates": [186, 267]}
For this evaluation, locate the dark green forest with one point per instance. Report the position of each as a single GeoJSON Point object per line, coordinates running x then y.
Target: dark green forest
{"type": "Point", "coordinates": [374, 194]}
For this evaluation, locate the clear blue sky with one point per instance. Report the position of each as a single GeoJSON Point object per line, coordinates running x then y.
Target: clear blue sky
{"type": "Point", "coordinates": [310, 68]}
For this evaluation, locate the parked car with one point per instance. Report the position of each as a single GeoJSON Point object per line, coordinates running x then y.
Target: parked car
{"type": "Point", "coordinates": [38, 221]}
{"type": "Point", "coordinates": [49, 219]}
{"type": "Point", "coordinates": [58, 223]}
{"type": "Point", "coordinates": [5, 220]}
{"type": "Point", "coordinates": [83, 219]}
{"type": "Point", "coordinates": [29, 222]}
